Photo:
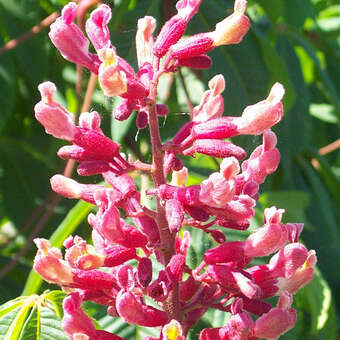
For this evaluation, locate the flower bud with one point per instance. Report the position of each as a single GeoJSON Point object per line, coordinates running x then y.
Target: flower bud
{"type": "Point", "coordinates": [144, 272]}
{"type": "Point", "coordinates": [197, 213]}
{"type": "Point", "coordinates": [148, 227]}
{"type": "Point", "coordinates": [124, 110]}
{"type": "Point", "coordinates": [174, 215]}
{"type": "Point", "coordinates": [170, 33]}
{"type": "Point", "coordinates": [69, 188]}
{"type": "Point", "coordinates": [215, 148]}
{"type": "Point", "coordinates": [193, 46]}
{"type": "Point", "coordinates": [219, 128]}
{"type": "Point", "coordinates": [92, 279]}
{"type": "Point", "coordinates": [142, 120]}
{"type": "Point", "coordinates": [162, 109]}
{"type": "Point", "coordinates": [96, 144]}
{"type": "Point", "coordinates": [200, 62]}
{"type": "Point", "coordinates": [116, 255]}
{"type": "Point", "coordinates": [217, 235]}
{"type": "Point", "coordinates": [230, 252]}
{"type": "Point", "coordinates": [134, 312]}
{"type": "Point", "coordinates": [90, 168]}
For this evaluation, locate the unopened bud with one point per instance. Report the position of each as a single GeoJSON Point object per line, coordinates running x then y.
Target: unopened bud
{"type": "Point", "coordinates": [193, 46]}
{"type": "Point", "coordinates": [142, 120]}
{"type": "Point", "coordinates": [201, 62]}
{"type": "Point", "coordinates": [216, 148]}
{"type": "Point", "coordinates": [124, 110]}
{"type": "Point", "coordinates": [162, 109]}
{"type": "Point", "coordinates": [170, 33]}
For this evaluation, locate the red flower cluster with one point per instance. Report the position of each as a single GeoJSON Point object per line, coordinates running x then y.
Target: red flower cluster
{"type": "Point", "coordinates": [226, 279]}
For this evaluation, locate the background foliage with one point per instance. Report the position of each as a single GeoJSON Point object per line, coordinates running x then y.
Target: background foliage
{"type": "Point", "coordinates": [294, 42]}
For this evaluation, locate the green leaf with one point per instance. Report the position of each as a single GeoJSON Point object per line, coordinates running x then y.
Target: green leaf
{"type": "Point", "coordinates": [7, 87]}
{"type": "Point", "coordinates": [24, 171]}
{"type": "Point", "coordinates": [75, 216]}
{"type": "Point", "coordinates": [35, 317]}
{"type": "Point", "coordinates": [316, 300]}
{"type": "Point", "coordinates": [194, 86]}
{"type": "Point", "coordinates": [294, 202]}
{"type": "Point", "coordinates": [200, 242]}
{"type": "Point", "coordinates": [278, 70]}
{"type": "Point", "coordinates": [324, 112]}
{"type": "Point", "coordinates": [330, 88]}
{"type": "Point", "coordinates": [32, 55]}
{"type": "Point", "coordinates": [328, 176]}
{"type": "Point", "coordinates": [274, 9]}
{"type": "Point", "coordinates": [296, 12]}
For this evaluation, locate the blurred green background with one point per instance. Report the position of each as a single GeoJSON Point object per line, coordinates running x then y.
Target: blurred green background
{"type": "Point", "coordinates": [294, 42]}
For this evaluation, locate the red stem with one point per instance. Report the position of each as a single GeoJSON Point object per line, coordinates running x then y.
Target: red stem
{"type": "Point", "coordinates": [167, 249]}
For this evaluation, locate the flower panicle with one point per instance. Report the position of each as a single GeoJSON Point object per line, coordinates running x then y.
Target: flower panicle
{"type": "Point", "coordinates": [117, 268]}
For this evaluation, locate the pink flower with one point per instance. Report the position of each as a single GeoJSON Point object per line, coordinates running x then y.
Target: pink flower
{"type": "Point", "coordinates": [70, 40]}
{"type": "Point", "coordinates": [216, 191]}
{"type": "Point", "coordinates": [96, 27]}
{"type": "Point", "coordinates": [81, 255]}
{"type": "Point", "coordinates": [133, 311]}
{"type": "Point", "coordinates": [56, 120]}
{"type": "Point", "coordinates": [78, 325]}
{"type": "Point", "coordinates": [232, 29]}
{"type": "Point", "coordinates": [263, 161]}
{"type": "Point", "coordinates": [212, 103]}
{"type": "Point", "coordinates": [259, 117]}
{"type": "Point", "coordinates": [49, 264]}
{"type": "Point", "coordinates": [144, 40]}
{"type": "Point", "coordinates": [277, 321]}
{"type": "Point", "coordinates": [269, 238]}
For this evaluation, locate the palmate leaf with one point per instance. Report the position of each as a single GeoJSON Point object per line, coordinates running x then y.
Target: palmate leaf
{"type": "Point", "coordinates": [33, 317]}
{"type": "Point", "coordinates": [119, 327]}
